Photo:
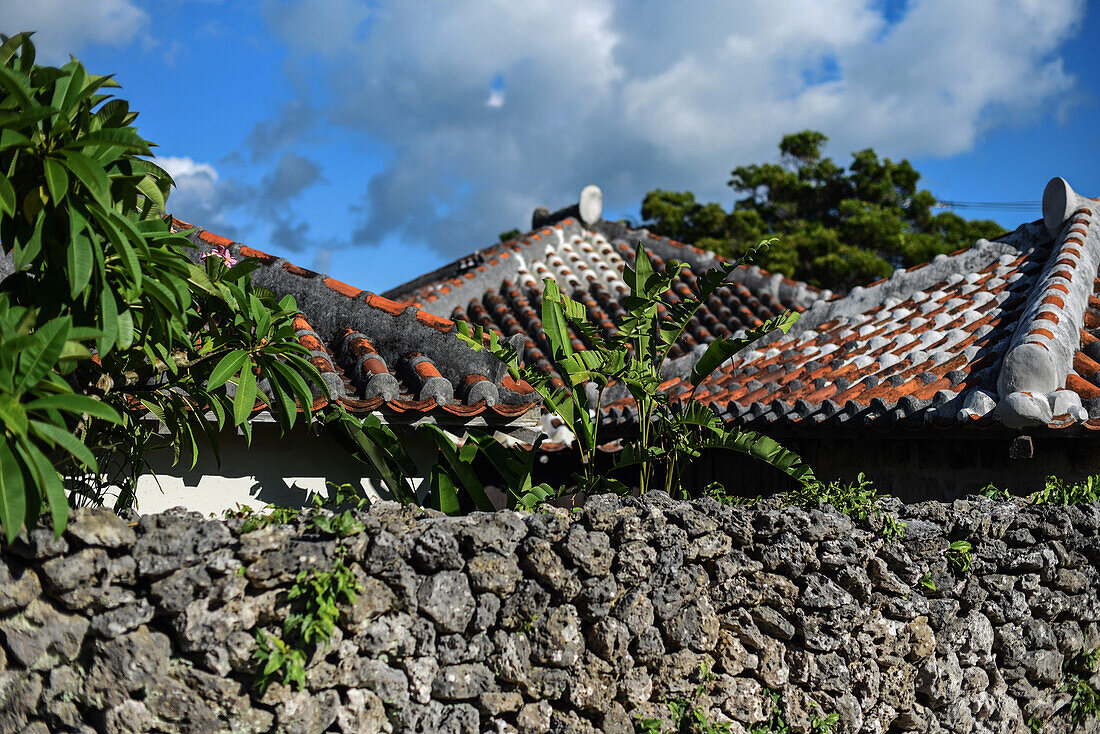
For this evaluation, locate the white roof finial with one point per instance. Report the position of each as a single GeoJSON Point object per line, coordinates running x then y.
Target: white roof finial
{"type": "Point", "coordinates": [591, 204]}
{"type": "Point", "coordinates": [1059, 203]}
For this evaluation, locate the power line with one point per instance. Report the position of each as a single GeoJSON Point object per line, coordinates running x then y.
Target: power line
{"type": "Point", "coordinates": [1015, 206]}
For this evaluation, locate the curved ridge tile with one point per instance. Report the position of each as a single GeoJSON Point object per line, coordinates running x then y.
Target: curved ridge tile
{"type": "Point", "coordinates": [1040, 356]}
{"type": "Point", "coordinates": [319, 356]}
{"type": "Point", "coordinates": [367, 366]}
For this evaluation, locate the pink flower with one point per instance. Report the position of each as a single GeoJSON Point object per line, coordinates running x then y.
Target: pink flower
{"type": "Point", "coordinates": [221, 251]}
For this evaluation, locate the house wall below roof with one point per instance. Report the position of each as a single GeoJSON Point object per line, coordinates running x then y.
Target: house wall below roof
{"type": "Point", "coordinates": [945, 469]}
{"type": "Point", "coordinates": [912, 469]}
{"type": "Point", "coordinates": [274, 470]}
{"type": "Point", "coordinates": [286, 471]}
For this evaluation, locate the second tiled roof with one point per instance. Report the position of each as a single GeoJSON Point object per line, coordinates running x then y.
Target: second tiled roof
{"type": "Point", "coordinates": [995, 336]}
{"type": "Point", "coordinates": [500, 287]}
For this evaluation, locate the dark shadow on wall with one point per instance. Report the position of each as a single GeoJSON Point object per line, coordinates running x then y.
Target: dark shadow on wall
{"type": "Point", "coordinates": [947, 468]}
{"type": "Point", "coordinates": [273, 460]}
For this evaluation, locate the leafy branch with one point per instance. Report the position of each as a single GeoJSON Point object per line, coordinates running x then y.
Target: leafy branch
{"type": "Point", "coordinates": [670, 435]}
{"type": "Point", "coordinates": [107, 318]}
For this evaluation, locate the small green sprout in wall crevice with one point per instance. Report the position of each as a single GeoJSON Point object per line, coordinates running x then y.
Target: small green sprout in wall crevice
{"type": "Point", "coordinates": [276, 660]}
{"type": "Point", "coordinates": [993, 492]}
{"type": "Point", "coordinates": [927, 582]}
{"type": "Point", "coordinates": [335, 515]}
{"type": "Point", "coordinates": [688, 718]}
{"type": "Point", "coordinates": [776, 723]}
{"type": "Point", "coordinates": [823, 723]}
{"type": "Point", "coordinates": [686, 715]}
{"type": "Point", "coordinates": [253, 520]}
{"type": "Point", "coordinates": [958, 554]}
{"type": "Point", "coordinates": [1077, 671]}
{"type": "Point", "coordinates": [718, 492]}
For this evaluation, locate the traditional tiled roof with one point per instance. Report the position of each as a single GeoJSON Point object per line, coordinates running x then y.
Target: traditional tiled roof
{"type": "Point", "coordinates": [997, 336]}
{"type": "Point", "coordinates": [375, 354]}
{"type": "Point", "coordinates": [1004, 335]}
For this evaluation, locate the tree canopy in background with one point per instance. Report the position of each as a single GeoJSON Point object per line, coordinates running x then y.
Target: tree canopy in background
{"type": "Point", "coordinates": [837, 227]}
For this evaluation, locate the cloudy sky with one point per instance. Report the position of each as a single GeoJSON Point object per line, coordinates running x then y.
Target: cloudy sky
{"type": "Point", "coordinates": [377, 140]}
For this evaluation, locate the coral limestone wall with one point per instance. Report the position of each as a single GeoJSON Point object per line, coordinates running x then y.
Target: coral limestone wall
{"type": "Point", "coordinates": [590, 621]}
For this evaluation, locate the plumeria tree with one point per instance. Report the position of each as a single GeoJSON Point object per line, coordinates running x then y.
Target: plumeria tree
{"type": "Point", "coordinates": [110, 330]}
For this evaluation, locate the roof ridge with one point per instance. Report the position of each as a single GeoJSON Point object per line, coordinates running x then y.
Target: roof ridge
{"type": "Point", "coordinates": [905, 281]}
{"type": "Point", "coordinates": [752, 276]}
{"type": "Point", "coordinates": [1040, 355]}
{"type": "Point", "coordinates": [461, 273]}
{"type": "Point", "coordinates": [443, 289]}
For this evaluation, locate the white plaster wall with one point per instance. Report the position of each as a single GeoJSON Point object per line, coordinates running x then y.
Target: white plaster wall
{"type": "Point", "coordinates": [274, 470]}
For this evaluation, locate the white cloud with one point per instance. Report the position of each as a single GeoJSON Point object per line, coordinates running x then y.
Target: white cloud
{"type": "Point", "coordinates": [188, 168]}
{"type": "Point", "coordinates": [232, 207]}
{"type": "Point", "coordinates": [496, 99]}
{"type": "Point", "coordinates": [634, 95]}
{"type": "Point", "coordinates": [196, 184]}
{"type": "Point", "coordinates": [67, 26]}
{"type": "Point", "coordinates": [201, 197]}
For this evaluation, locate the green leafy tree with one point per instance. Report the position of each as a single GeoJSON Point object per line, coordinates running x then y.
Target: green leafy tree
{"type": "Point", "coordinates": [108, 327]}
{"type": "Point", "coordinates": [838, 227]}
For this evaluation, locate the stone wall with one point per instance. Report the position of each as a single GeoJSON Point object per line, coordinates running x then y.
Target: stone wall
{"type": "Point", "coordinates": [558, 622]}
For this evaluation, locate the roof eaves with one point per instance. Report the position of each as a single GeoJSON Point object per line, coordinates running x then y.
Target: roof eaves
{"type": "Point", "coordinates": [401, 335]}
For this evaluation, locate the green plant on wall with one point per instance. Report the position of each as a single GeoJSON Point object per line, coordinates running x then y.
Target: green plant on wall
{"type": "Point", "coordinates": [316, 593]}
{"type": "Point", "coordinates": [776, 723]}
{"type": "Point", "coordinates": [686, 715]}
{"type": "Point", "coordinates": [98, 272]}
{"type": "Point", "coordinates": [860, 500]}
{"type": "Point", "coordinates": [959, 555]}
{"type": "Point", "coordinates": [1057, 492]}
{"type": "Point", "coordinates": [994, 492]}
{"type": "Point", "coordinates": [670, 435]}
{"type": "Point", "coordinates": [718, 492]}
{"type": "Point", "coordinates": [1084, 699]}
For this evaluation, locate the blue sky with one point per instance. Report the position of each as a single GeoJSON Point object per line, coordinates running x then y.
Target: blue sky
{"type": "Point", "coordinates": [378, 140]}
